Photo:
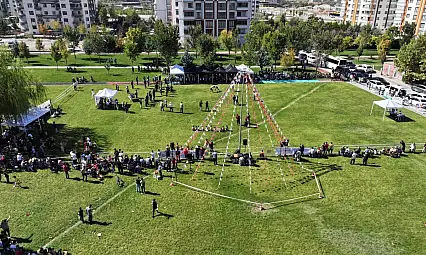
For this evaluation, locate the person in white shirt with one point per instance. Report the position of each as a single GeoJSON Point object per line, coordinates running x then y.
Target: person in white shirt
{"type": "Point", "coordinates": [19, 157]}
{"type": "Point", "coordinates": [413, 147]}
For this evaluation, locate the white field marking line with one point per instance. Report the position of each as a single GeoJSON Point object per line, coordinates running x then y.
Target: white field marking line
{"type": "Point", "coordinates": [229, 138]}
{"type": "Point", "coordinates": [242, 200]}
{"type": "Point", "coordinates": [94, 212]}
{"type": "Point", "coordinates": [248, 133]}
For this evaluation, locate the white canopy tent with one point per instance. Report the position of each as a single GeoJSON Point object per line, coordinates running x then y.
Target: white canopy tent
{"type": "Point", "coordinates": [386, 104]}
{"type": "Point", "coordinates": [32, 115]}
{"type": "Point", "coordinates": [245, 69]}
{"type": "Point", "coordinates": [105, 93]}
{"type": "Point", "coordinates": [177, 70]}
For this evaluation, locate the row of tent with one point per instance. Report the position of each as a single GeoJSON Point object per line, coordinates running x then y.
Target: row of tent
{"type": "Point", "coordinates": [229, 69]}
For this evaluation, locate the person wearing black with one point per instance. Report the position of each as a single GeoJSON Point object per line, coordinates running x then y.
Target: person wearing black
{"type": "Point", "coordinates": [133, 69]}
{"type": "Point", "coordinates": [365, 159]}
{"type": "Point", "coordinates": [201, 105]}
{"type": "Point", "coordinates": [89, 213]}
{"type": "Point", "coordinates": [80, 215]}
{"type": "Point", "coordinates": [154, 207]}
{"type": "Point", "coordinates": [6, 175]}
{"type": "Point", "coordinates": [207, 106]}
{"type": "Point", "coordinates": [143, 186]}
{"type": "Point", "coordinates": [402, 145]}
{"type": "Point", "coordinates": [137, 80]}
{"type": "Point", "coordinates": [131, 83]}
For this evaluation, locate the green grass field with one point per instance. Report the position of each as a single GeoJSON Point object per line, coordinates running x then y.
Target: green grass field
{"type": "Point", "coordinates": [378, 209]}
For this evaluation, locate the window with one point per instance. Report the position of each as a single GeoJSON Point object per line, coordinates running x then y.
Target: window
{"type": "Point", "coordinates": [31, 12]}
{"type": "Point", "coordinates": [231, 23]}
{"type": "Point", "coordinates": [209, 23]}
{"type": "Point", "coordinates": [52, 5]}
{"type": "Point", "coordinates": [53, 13]}
{"type": "Point", "coordinates": [232, 15]}
{"type": "Point", "coordinates": [208, 6]}
{"type": "Point", "coordinates": [45, 13]}
{"type": "Point", "coordinates": [176, 4]}
{"type": "Point", "coordinates": [241, 14]}
{"type": "Point", "coordinates": [87, 19]}
{"type": "Point", "coordinates": [32, 20]}
{"type": "Point", "coordinates": [63, 6]}
{"type": "Point", "coordinates": [242, 22]}
{"type": "Point", "coordinates": [221, 15]}
{"type": "Point", "coordinates": [64, 13]}
{"type": "Point", "coordinates": [65, 19]}
{"type": "Point", "coordinates": [85, 5]}
{"type": "Point", "coordinates": [197, 6]}
{"type": "Point", "coordinates": [86, 12]}
{"type": "Point", "coordinates": [30, 5]}
{"type": "Point", "coordinates": [242, 5]}
{"type": "Point", "coordinates": [198, 15]}
{"type": "Point", "coordinates": [242, 30]}
{"type": "Point", "coordinates": [190, 5]}
{"type": "Point", "coordinates": [222, 6]}
{"type": "Point", "coordinates": [221, 23]}
{"type": "Point", "coordinates": [208, 15]}
{"type": "Point", "coordinates": [44, 5]}
{"type": "Point", "coordinates": [189, 23]}
{"type": "Point", "coordinates": [188, 14]}
{"type": "Point", "coordinates": [34, 27]}
{"type": "Point", "coordinates": [209, 31]}
{"type": "Point", "coordinates": [177, 12]}
{"type": "Point", "coordinates": [232, 6]}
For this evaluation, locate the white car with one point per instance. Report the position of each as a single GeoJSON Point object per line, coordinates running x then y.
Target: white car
{"type": "Point", "coordinates": [419, 88]}
{"type": "Point", "coordinates": [375, 84]}
{"type": "Point", "coordinates": [365, 68]}
{"type": "Point", "coordinates": [418, 102]}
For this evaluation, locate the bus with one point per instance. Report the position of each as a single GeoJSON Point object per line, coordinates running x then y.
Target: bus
{"type": "Point", "coordinates": [333, 62]}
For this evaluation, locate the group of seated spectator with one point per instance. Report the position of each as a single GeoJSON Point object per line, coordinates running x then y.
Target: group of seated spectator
{"type": "Point", "coordinates": [213, 129]}
{"type": "Point", "coordinates": [269, 74]}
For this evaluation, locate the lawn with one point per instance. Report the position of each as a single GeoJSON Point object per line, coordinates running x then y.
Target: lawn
{"type": "Point", "coordinates": [377, 209]}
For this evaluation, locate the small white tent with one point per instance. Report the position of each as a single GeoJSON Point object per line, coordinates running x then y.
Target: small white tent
{"type": "Point", "coordinates": [245, 69]}
{"type": "Point", "coordinates": [386, 104]}
{"type": "Point", "coordinates": [105, 93]}
{"type": "Point", "coordinates": [177, 70]}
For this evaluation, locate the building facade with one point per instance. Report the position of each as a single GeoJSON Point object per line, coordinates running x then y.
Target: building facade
{"type": "Point", "coordinates": [212, 15]}
{"type": "Point", "coordinates": [32, 13]}
{"type": "Point", "coordinates": [378, 13]}
{"type": "Point", "coordinates": [383, 14]}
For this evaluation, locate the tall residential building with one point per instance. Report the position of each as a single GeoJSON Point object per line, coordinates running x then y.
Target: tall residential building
{"type": "Point", "coordinates": [378, 13]}
{"type": "Point", "coordinates": [411, 11]}
{"type": "Point", "coordinates": [32, 13]}
{"type": "Point", "coordinates": [213, 15]}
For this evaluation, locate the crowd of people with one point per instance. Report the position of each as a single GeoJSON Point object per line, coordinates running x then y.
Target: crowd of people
{"type": "Point", "coordinates": [270, 74]}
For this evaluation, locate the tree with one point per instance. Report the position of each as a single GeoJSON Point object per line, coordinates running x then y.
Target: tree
{"type": "Point", "coordinates": [274, 44]}
{"type": "Point", "coordinates": [39, 45]}
{"type": "Point", "coordinates": [82, 29]}
{"type": "Point", "coordinates": [383, 47]}
{"type": "Point", "coordinates": [19, 90]}
{"type": "Point", "coordinates": [362, 42]}
{"type": "Point", "coordinates": [411, 60]}
{"type": "Point", "coordinates": [107, 66]}
{"type": "Point", "coordinates": [346, 43]}
{"type": "Point", "coordinates": [56, 25]}
{"type": "Point", "coordinates": [131, 50]}
{"type": "Point", "coordinates": [207, 48]}
{"type": "Point", "coordinates": [55, 53]}
{"type": "Point", "coordinates": [42, 29]}
{"type": "Point", "coordinates": [408, 33]}
{"type": "Point", "coordinates": [63, 47]}
{"type": "Point", "coordinates": [236, 38]}
{"type": "Point", "coordinates": [226, 40]}
{"type": "Point", "coordinates": [88, 47]}
{"type": "Point", "coordinates": [135, 35]}
{"type": "Point", "coordinates": [109, 43]}
{"type": "Point", "coordinates": [167, 38]}
{"type": "Point", "coordinates": [187, 59]}
{"type": "Point", "coordinates": [102, 14]}
{"type": "Point", "coordinates": [149, 44]}
{"type": "Point", "coordinates": [262, 58]}
{"type": "Point", "coordinates": [14, 49]}
{"type": "Point", "coordinates": [194, 34]}
{"type": "Point", "coordinates": [73, 36]}
{"type": "Point", "coordinates": [98, 44]}
{"type": "Point", "coordinates": [4, 28]}
{"type": "Point", "coordinates": [24, 52]}
{"type": "Point", "coordinates": [287, 58]}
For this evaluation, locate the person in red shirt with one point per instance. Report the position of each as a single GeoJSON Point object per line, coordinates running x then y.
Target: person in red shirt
{"type": "Point", "coordinates": [66, 169]}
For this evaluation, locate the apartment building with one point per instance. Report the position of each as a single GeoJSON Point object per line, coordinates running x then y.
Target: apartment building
{"type": "Point", "coordinates": [411, 11]}
{"type": "Point", "coordinates": [378, 13]}
{"type": "Point", "coordinates": [32, 13]}
{"type": "Point", "coordinates": [213, 15]}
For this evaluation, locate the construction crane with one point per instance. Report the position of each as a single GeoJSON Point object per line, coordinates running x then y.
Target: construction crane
{"type": "Point", "coordinates": [403, 16]}
{"type": "Point", "coordinates": [354, 12]}
{"type": "Point", "coordinates": [346, 11]}
{"type": "Point", "coordinates": [420, 16]}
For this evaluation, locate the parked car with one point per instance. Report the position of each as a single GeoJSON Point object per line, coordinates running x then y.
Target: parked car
{"type": "Point", "coordinates": [365, 68]}
{"type": "Point", "coordinates": [382, 80]}
{"type": "Point", "coordinates": [419, 88]}
{"type": "Point", "coordinates": [374, 83]}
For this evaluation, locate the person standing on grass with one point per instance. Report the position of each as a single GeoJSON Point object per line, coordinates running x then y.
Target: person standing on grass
{"type": "Point", "coordinates": [143, 186]}
{"type": "Point", "coordinates": [137, 80]}
{"type": "Point", "coordinates": [138, 185]}
{"type": "Point", "coordinates": [207, 106]}
{"type": "Point", "coordinates": [365, 158]}
{"type": "Point", "coordinates": [201, 105]}
{"type": "Point", "coordinates": [214, 154]}
{"type": "Point", "coordinates": [131, 83]}
{"type": "Point", "coordinates": [66, 170]}
{"type": "Point", "coordinates": [353, 157]}
{"type": "Point", "coordinates": [5, 225]}
{"type": "Point", "coordinates": [93, 93]}
{"type": "Point", "coordinates": [89, 213]}
{"type": "Point", "coordinates": [80, 215]}
{"type": "Point", "coordinates": [181, 107]}
{"type": "Point", "coordinates": [154, 207]}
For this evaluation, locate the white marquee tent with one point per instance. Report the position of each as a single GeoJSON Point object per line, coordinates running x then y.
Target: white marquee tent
{"type": "Point", "coordinates": [177, 70]}
{"type": "Point", "coordinates": [32, 115]}
{"type": "Point", "coordinates": [245, 69]}
{"type": "Point", "coordinates": [105, 93]}
{"type": "Point", "coordinates": [386, 104]}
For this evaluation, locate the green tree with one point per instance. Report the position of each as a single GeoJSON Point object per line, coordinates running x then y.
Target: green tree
{"type": "Point", "coordinates": [135, 35]}
{"type": "Point", "coordinates": [4, 28]}
{"type": "Point", "coordinates": [263, 58]}
{"type": "Point", "coordinates": [102, 14]}
{"type": "Point", "coordinates": [346, 43]}
{"type": "Point", "coordinates": [39, 45]}
{"type": "Point", "coordinates": [19, 90]}
{"type": "Point", "coordinates": [383, 46]}
{"type": "Point", "coordinates": [149, 43]}
{"type": "Point", "coordinates": [411, 60]}
{"type": "Point", "coordinates": [14, 49]}
{"type": "Point", "coordinates": [187, 59]}
{"type": "Point", "coordinates": [274, 44]}
{"type": "Point", "coordinates": [88, 47]}
{"type": "Point", "coordinates": [167, 38]}
{"type": "Point", "coordinates": [72, 35]}
{"type": "Point", "coordinates": [131, 50]}
{"type": "Point", "coordinates": [55, 53]}
{"type": "Point", "coordinates": [194, 34]}
{"type": "Point", "coordinates": [24, 52]}
{"type": "Point", "coordinates": [226, 40]}
{"type": "Point", "coordinates": [63, 47]}
{"type": "Point", "coordinates": [287, 58]}
{"type": "Point", "coordinates": [207, 48]}
{"type": "Point", "coordinates": [107, 66]}
{"type": "Point", "coordinates": [82, 29]}
{"type": "Point", "coordinates": [408, 33]}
